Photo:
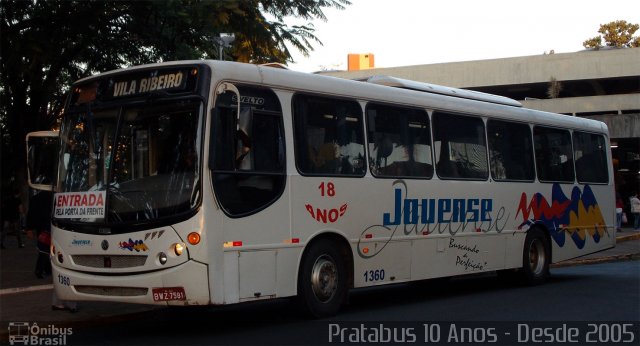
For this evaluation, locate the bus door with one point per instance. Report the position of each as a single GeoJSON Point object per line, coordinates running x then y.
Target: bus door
{"type": "Point", "coordinates": [42, 159]}
{"type": "Point", "coordinates": [247, 160]}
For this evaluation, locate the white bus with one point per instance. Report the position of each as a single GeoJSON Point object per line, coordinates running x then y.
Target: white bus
{"type": "Point", "coordinates": [207, 182]}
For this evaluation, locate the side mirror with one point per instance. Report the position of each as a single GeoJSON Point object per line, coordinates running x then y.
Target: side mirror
{"type": "Point", "coordinates": [42, 159]}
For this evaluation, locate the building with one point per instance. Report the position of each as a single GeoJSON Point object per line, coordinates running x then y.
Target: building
{"type": "Point", "coordinates": [356, 62]}
{"type": "Point", "coordinates": [602, 85]}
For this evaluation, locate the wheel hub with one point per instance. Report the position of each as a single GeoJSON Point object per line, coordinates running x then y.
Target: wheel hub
{"type": "Point", "coordinates": [537, 257]}
{"type": "Point", "coordinates": [324, 278]}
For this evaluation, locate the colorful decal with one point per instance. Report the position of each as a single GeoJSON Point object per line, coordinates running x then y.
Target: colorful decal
{"type": "Point", "coordinates": [137, 245]}
{"type": "Point", "coordinates": [425, 216]}
{"type": "Point", "coordinates": [577, 217]}
{"type": "Point", "coordinates": [326, 215]}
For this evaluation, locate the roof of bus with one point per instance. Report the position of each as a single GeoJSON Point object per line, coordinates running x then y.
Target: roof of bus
{"type": "Point", "coordinates": [334, 86]}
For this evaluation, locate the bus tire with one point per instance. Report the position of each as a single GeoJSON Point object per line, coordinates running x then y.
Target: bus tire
{"type": "Point", "coordinates": [535, 258]}
{"type": "Point", "coordinates": [322, 281]}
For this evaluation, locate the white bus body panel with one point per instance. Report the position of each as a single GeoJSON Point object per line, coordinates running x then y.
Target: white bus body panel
{"type": "Point", "coordinates": [444, 251]}
{"type": "Point", "coordinates": [258, 274]}
{"type": "Point", "coordinates": [442, 90]}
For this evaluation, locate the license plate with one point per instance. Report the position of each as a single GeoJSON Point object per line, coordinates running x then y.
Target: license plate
{"type": "Point", "coordinates": [168, 293]}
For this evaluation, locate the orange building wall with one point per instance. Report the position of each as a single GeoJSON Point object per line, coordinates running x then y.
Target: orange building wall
{"type": "Point", "coordinates": [360, 61]}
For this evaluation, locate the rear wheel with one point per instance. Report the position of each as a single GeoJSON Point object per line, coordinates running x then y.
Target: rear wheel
{"type": "Point", "coordinates": [322, 281]}
{"type": "Point", "coordinates": [535, 258]}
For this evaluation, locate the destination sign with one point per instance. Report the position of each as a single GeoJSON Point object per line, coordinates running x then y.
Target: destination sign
{"type": "Point", "coordinates": [136, 86]}
{"type": "Point", "coordinates": [137, 83]}
{"type": "Point", "coordinates": [140, 85]}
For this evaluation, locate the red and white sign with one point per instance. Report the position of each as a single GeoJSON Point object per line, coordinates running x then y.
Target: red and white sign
{"type": "Point", "coordinates": [80, 205]}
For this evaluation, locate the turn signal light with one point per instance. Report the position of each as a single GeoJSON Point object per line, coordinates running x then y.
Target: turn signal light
{"type": "Point", "coordinates": [193, 238]}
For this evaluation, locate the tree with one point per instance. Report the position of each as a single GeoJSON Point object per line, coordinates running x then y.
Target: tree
{"type": "Point", "coordinates": [46, 45]}
{"type": "Point", "coordinates": [618, 34]}
{"type": "Point", "coordinates": [554, 89]}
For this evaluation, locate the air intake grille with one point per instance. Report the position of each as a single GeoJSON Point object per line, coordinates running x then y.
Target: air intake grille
{"type": "Point", "coordinates": [112, 291]}
{"type": "Point", "coordinates": [116, 261]}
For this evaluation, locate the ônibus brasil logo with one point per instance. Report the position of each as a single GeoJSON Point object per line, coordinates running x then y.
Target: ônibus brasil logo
{"type": "Point", "coordinates": [25, 333]}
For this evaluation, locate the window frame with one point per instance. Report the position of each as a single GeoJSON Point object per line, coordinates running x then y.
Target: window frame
{"type": "Point", "coordinates": [238, 172]}
{"type": "Point", "coordinates": [300, 130]}
{"type": "Point", "coordinates": [571, 151]}
{"type": "Point", "coordinates": [415, 111]}
{"type": "Point", "coordinates": [575, 161]}
{"type": "Point", "coordinates": [434, 134]}
{"type": "Point", "coordinates": [490, 121]}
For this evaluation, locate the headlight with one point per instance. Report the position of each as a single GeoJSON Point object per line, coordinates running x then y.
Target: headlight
{"type": "Point", "coordinates": [162, 257]}
{"type": "Point", "coordinates": [178, 248]}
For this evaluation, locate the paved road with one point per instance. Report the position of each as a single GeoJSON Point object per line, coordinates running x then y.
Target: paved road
{"type": "Point", "coordinates": [601, 293]}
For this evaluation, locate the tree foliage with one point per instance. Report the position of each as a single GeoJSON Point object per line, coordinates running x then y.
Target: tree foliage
{"type": "Point", "coordinates": [46, 45]}
{"type": "Point", "coordinates": [554, 88]}
{"type": "Point", "coordinates": [618, 34]}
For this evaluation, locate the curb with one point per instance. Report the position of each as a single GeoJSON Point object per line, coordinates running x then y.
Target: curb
{"type": "Point", "coordinates": [14, 290]}
{"type": "Point", "coordinates": [624, 238]}
{"type": "Point", "coordinates": [617, 258]}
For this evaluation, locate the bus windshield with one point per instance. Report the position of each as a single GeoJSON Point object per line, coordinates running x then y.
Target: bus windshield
{"type": "Point", "coordinates": [142, 160]}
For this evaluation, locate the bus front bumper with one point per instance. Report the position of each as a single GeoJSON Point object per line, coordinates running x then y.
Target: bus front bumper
{"type": "Point", "coordinates": [185, 284]}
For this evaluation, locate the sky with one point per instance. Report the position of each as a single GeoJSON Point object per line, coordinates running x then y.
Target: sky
{"type": "Point", "coordinates": [417, 32]}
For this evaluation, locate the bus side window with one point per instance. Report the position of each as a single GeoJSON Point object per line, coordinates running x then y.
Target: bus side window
{"type": "Point", "coordinates": [462, 147]}
{"type": "Point", "coordinates": [510, 151]}
{"type": "Point", "coordinates": [248, 159]}
{"type": "Point", "coordinates": [554, 157]}
{"type": "Point", "coordinates": [399, 142]}
{"type": "Point", "coordinates": [590, 153]}
{"type": "Point", "coordinates": [329, 136]}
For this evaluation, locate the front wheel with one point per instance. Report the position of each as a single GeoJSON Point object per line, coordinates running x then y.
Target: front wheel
{"type": "Point", "coordinates": [322, 281]}
{"type": "Point", "coordinates": [535, 258]}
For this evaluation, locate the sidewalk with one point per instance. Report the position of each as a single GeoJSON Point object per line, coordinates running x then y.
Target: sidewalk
{"type": "Point", "coordinates": [23, 297]}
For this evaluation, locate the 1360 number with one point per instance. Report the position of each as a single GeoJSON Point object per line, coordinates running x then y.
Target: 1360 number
{"type": "Point", "coordinates": [64, 280]}
{"type": "Point", "coordinates": [374, 275]}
